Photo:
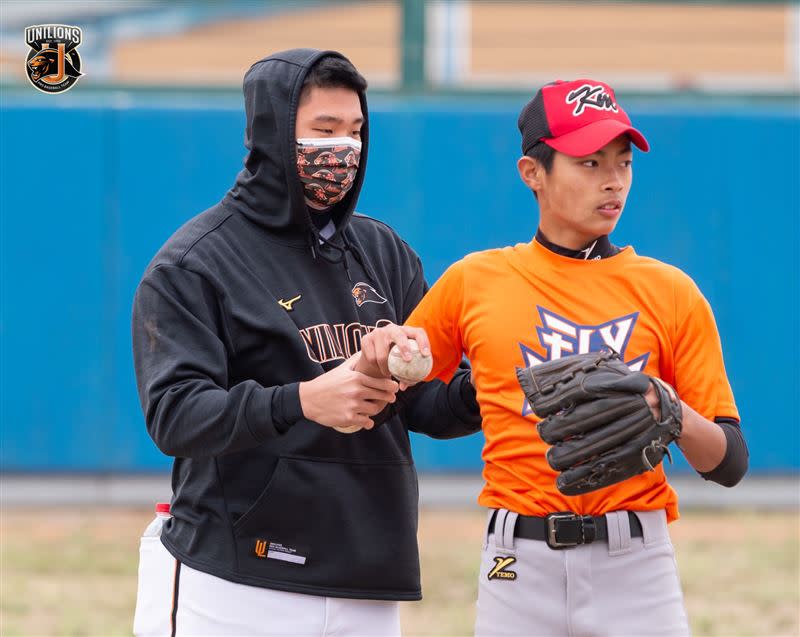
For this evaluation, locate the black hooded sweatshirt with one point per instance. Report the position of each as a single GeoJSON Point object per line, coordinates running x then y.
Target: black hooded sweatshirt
{"type": "Point", "coordinates": [238, 307]}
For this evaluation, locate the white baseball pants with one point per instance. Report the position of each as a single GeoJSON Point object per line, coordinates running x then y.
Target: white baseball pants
{"type": "Point", "coordinates": [175, 600]}
{"type": "Point", "coordinates": [624, 587]}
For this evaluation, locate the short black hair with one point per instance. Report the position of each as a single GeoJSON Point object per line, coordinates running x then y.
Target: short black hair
{"type": "Point", "coordinates": [333, 72]}
{"type": "Point", "coordinates": [544, 154]}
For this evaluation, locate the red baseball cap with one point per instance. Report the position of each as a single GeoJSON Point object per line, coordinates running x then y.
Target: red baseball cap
{"type": "Point", "coordinates": [576, 118]}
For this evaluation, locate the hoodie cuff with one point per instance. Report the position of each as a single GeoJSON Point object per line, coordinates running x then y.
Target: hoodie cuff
{"type": "Point", "coordinates": [465, 407]}
{"type": "Point", "coordinates": [273, 410]}
{"type": "Point", "coordinates": [286, 407]}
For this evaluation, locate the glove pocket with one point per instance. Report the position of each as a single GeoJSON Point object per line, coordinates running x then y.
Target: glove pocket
{"type": "Point", "coordinates": [321, 524]}
{"type": "Point", "coordinates": [605, 436]}
{"type": "Point", "coordinates": [587, 417]}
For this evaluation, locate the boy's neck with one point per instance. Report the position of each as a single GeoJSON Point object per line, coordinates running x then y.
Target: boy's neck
{"type": "Point", "coordinates": [598, 248]}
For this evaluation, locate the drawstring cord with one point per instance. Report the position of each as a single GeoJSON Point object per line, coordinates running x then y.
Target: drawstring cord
{"type": "Point", "coordinates": [346, 266]}
{"type": "Point", "coordinates": [311, 241]}
{"type": "Point", "coordinates": [341, 257]}
{"type": "Point", "coordinates": [362, 261]}
{"type": "Point", "coordinates": [315, 238]}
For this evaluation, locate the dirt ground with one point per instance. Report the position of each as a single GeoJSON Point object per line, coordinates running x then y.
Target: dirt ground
{"type": "Point", "coordinates": [67, 572]}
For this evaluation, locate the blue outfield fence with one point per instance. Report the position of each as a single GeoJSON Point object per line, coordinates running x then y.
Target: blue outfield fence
{"type": "Point", "coordinates": [91, 190]}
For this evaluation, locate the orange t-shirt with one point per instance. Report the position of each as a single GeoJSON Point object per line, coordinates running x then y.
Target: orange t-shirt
{"type": "Point", "coordinates": [510, 307]}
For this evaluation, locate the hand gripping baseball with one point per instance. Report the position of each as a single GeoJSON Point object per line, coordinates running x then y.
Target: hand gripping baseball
{"type": "Point", "coordinates": [597, 420]}
{"type": "Point", "coordinates": [394, 351]}
{"type": "Point", "coordinates": [409, 369]}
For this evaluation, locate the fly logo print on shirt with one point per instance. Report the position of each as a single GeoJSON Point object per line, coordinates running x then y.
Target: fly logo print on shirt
{"type": "Point", "coordinates": [561, 337]}
{"type": "Point", "coordinates": [325, 342]}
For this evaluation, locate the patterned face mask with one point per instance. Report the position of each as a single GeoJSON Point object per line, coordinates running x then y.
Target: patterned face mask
{"type": "Point", "coordinates": [327, 166]}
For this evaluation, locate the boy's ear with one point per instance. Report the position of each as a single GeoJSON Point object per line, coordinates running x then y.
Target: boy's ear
{"type": "Point", "coordinates": [530, 171]}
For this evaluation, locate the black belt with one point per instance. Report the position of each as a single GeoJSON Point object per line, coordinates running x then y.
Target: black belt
{"type": "Point", "coordinates": [566, 529]}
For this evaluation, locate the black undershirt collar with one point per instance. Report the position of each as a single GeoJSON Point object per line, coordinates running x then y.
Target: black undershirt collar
{"type": "Point", "coordinates": [600, 248]}
{"type": "Point", "coordinates": [320, 218]}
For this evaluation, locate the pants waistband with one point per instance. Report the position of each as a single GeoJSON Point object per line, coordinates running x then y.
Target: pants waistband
{"type": "Point", "coordinates": [566, 529]}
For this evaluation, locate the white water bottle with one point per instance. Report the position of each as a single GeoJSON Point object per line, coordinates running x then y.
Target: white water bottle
{"type": "Point", "coordinates": [162, 515]}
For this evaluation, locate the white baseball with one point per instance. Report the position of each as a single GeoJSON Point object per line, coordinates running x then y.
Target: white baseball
{"type": "Point", "coordinates": [412, 371]}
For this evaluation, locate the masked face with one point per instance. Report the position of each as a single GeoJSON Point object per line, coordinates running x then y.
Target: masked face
{"type": "Point", "coordinates": [327, 166]}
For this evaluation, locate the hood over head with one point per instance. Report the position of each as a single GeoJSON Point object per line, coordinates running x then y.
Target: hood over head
{"type": "Point", "coordinates": [268, 189]}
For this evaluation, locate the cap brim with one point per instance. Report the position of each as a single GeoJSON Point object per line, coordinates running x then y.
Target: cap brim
{"type": "Point", "coordinates": [592, 137]}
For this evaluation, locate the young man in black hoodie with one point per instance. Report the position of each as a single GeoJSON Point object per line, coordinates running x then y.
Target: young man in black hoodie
{"type": "Point", "coordinates": [247, 327]}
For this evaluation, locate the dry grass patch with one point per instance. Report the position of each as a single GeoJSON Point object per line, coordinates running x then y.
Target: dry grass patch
{"type": "Point", "coordinates": [67, 572]}
{"type": "Point", "coordinates": [74, 573]}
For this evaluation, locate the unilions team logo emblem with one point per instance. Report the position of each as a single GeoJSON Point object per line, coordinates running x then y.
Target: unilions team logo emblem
{"type": "Point", "coordinates": [53, 64]}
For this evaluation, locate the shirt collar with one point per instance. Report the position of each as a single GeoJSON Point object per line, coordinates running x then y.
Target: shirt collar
{"type": "Point", "coordinates": [600, 248]}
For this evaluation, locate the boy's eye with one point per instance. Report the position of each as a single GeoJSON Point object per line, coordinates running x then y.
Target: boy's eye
{"type": "Point", "coordinates": [589, 163]}
{"type": "Point", "coordinates": [327, 131]}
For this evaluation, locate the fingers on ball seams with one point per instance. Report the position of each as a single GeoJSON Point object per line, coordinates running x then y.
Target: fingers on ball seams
{"type": "Point", "coordinates": [410, 371]}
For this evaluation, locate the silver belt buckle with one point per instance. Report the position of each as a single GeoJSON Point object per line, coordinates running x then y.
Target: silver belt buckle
{"type": "Point", "coordinates": [552, 539]}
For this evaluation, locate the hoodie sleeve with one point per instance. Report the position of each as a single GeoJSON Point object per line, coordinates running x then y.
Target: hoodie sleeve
{"type": "Point", "coordinates": [442, 410]}
{"type": "Point", "coordinates": [181, 363]}
{"type": "Point", "coordinates": [435, 408]}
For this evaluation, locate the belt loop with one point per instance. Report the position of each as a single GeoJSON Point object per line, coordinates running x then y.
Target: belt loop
{"type": "Point", "coordinates": [489, 516]}
{"type": "Point", "coordinates": [504, 522]}
{"type": "Point", "coordinates": [654, 526]}
{"type": "Point", "coordinates": [509, 524]}
{"type": "Point", "coordinates": [619, 533]}
{"type": "Point", "coordinates": [499, 521]}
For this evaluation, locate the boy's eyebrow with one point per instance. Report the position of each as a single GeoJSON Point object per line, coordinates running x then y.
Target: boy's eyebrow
{"type": "Point", "coordinates": [332, 119]}
{"type": "Point", "coordinates": [602, 152]}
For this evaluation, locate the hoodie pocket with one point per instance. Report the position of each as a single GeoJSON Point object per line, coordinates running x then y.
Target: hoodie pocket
{"type": "Point", "coordinates": [334, 527]}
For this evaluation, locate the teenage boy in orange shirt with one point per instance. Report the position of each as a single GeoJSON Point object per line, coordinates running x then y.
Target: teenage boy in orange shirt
{"type": "Point", "coordinates": [571, 291]}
